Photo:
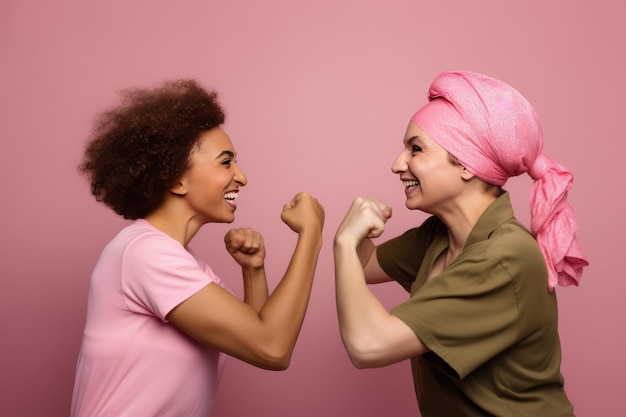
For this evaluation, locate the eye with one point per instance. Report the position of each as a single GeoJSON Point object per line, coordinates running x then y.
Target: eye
{"type": "Point", "coordinates": [227, 162]}
{"type": "Point", "coordinates": [415, 148]}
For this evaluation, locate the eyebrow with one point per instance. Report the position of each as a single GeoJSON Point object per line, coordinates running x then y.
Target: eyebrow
{"type": "Point", "coordinates": [227, 153]}
{"type": "Point", "coordinates": [412, 139]}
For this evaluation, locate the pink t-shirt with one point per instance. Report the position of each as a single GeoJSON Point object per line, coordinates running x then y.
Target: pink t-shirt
{"type": "Point", "coordinates": [132, 361]}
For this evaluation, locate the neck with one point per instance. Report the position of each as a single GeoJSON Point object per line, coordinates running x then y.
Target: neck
{"type": "Point", "coordinates": [461, 220]}
{"type": "Point", "coordinates": [172, 219]}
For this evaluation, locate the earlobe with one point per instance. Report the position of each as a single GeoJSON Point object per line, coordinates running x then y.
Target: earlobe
{"type": "Point", "coordinates": [179, 189]}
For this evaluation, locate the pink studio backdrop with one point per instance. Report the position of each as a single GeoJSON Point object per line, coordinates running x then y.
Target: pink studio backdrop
{"type": "Point", "coordinates": [318, 95]}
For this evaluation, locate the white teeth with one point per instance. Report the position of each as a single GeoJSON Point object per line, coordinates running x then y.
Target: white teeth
{"type": "Point", "coordinates": [230, 196]}
{"type": "Point", "coordinates": [410, 183]}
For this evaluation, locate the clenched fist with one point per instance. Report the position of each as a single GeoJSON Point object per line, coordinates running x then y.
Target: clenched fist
{"type": "Point", "coordinates": [303, 213]}
{"type": "Point", "coordinates": [365, 219]}
{"type": "Point", "coordinates": [246, 247]}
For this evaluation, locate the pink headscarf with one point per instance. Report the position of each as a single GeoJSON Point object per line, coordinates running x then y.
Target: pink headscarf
{"type": "Point", "coordinates": [495, 133]}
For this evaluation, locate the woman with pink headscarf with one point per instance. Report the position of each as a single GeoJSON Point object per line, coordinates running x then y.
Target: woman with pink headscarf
{"type": "Point", "coordinates": [480, 325]}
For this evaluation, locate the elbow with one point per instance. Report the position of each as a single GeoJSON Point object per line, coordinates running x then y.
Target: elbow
{"type": "Point", "coordinates": [359, 362]}
{"type": "Point", "coordinates": [277, 364]}
{"type": "Point", "coordinates": [364, 355]}
{"type": "Point", "coordinates": [362, 361]}
{"type": "Point", "coordinates": [281, 366]}
{"type": "Point", "coordinates": [275, 358]}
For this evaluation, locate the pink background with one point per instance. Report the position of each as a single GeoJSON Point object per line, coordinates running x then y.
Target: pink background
{"type": "Point", "coordinates": [318, 95]}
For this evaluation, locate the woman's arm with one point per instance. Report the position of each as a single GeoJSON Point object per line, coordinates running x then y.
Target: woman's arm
{"type": "Point", "coordinates": [246, 246]}
{"type": "Point", "coordinates": [263, 335]}
{"type": "Point", "coordinates": [372, 337]}
{"type": "Point", "coordinates": [255, 292]}
{"type": "Point", "coordinates": [374, 274]}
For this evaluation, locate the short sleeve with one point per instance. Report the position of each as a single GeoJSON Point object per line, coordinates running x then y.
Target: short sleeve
{"type": "Point", "coordinates": [158, 274]}
{"type": "Point", "coordinates": [401, 257]}
{"type": "Point", "coordinates": [466, 315]}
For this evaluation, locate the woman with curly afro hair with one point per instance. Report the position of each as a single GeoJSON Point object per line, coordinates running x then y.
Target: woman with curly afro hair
{"type": "Point", "coordinates": [159, 321]}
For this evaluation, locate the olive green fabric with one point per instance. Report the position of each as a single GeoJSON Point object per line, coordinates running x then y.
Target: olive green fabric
{"type": "Point", "coordinates": [488, 319]}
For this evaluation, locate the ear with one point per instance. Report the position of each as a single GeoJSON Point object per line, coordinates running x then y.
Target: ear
{"type": "Point", "coordinates": [179, 189]}
{"type": "Point", "coordinates": [465, 174]}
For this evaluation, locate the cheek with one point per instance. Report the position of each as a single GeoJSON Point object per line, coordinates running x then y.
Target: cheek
{"type": "Point", "coordinates": [418, 164]}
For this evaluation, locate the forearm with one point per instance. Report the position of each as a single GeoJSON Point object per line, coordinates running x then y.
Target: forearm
{"type": "Point", "coordinates": [285, 308]}
{"type": "Point", "coordinates": [255, 287]}
{"type": "Point", "coordinates": [364, 251]}
{"type": "Point", "coordinates": [362, 317]}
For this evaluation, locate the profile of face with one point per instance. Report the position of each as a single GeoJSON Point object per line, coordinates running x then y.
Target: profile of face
{"type": "Point", "coordinates": [431, 179]}
{"type": "Point", "coordinates": [211, 184]}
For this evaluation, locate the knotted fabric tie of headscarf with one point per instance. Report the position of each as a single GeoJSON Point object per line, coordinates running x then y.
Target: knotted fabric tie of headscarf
{"type": "Point", "coordinates": [495, 133]}
{"type": "Point", "coordinates": [553, 222]}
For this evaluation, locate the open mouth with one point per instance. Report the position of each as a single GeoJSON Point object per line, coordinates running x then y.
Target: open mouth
{"type": "Point", "coordinates": [411, 183]}
{"type": "Point", "coordinates": [230, 197]}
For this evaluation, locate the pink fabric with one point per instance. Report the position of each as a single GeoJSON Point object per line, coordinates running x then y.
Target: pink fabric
{"type": "Point", "coordinates": [132, 361]}
{"type": "Point", "coordinates": [495, 133]}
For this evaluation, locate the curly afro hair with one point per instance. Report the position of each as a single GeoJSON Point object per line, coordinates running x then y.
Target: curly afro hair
{"type": "Point", "coordinates": [141, 148]}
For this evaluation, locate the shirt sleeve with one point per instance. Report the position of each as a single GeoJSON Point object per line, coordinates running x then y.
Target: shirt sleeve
{"type": "Point", "coordinates": [466, 315]}
{"type": "Point", "coordinates": [158, 274]}
{"type": "Point", "coordinates": [401, 257]}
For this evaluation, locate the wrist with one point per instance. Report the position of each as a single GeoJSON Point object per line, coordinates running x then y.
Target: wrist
{"type": "Point", "coordinates": [344, 241]}
{"type": "Point", "coordinates": [253, 271]}
{"type": "Point", "coordinates": [311, 235]}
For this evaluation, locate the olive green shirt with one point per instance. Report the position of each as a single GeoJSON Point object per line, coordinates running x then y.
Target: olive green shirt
{"type": "Point", "coordinates": [488, 319]}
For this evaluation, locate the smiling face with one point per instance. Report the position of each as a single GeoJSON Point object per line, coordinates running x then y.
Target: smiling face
{"type": "Point", "coordinates": [432, 180]}
{"type": "Point", "coordinates": [211, 183]}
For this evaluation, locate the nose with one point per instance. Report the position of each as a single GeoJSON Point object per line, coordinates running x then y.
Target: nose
{"type": "Point", "coordinates": [240, 178]}
{"type": "Point", "coordinates": [400, 163]}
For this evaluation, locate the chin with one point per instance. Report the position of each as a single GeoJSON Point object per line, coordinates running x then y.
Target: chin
{"type": "Point", "coordinates": [411, 206]}
{"type": "Point", "coordinates": [225, 219]}
{"type": "Point", "coordinates": [416, 207]}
